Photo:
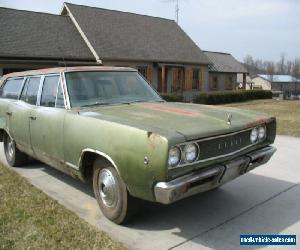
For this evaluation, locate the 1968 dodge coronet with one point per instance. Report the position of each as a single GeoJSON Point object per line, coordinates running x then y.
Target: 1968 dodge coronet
{"type": "Point", "coordinates": [106, 125]}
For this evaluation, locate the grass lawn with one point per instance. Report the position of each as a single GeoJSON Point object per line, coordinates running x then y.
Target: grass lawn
{"type": "Point", "coordinates": [29, 219]}
{"type": "Point", "coordinates": [286, 112]}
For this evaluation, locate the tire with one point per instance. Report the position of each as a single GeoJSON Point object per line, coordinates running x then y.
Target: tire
{"type": "Point", "coordinates": [111, 193]}
{"type": "Point", "coordinates": [14, 156]}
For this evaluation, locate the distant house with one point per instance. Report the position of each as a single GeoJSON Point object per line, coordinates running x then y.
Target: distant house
{"type": "Point", "coordinates": [276, 82]}
{"type": "Point", "coordinates": [223, 70]}
{"type": "Point", "coordinates": [161, 51]}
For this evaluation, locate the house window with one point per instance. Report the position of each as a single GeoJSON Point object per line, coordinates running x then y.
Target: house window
{"type": "Point", "coordinates": [229, 83]}
{"type": "Point", "coordinates": [178, 79]}
{"type": "Point", "coordinates": [213, 82]}
{"type": "Point", "coordinates": [195, 83]}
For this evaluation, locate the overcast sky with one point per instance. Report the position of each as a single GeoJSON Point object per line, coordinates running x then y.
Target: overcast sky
{"type": "Point", "coordinates": [262, 28]}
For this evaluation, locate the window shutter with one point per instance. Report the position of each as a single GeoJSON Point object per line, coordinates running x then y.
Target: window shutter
{"type": "Point", "coordinates": [200, 79]}
{"type": "Point", "coordinates": [188, 78]}
{"type": "Point", "coordinates": [149, 73]}
{"type": "Point", "coordinates": [175, 79]}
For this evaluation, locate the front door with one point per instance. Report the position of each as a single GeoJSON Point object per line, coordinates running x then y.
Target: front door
{"type": "Point", "coordinates": [46, 127]}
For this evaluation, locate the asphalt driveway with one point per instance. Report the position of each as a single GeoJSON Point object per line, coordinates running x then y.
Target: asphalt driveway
{"type": "Point", "coordinates": [265, 201]}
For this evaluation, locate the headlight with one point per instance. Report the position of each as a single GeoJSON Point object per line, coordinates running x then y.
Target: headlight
{"type": "Point", "coordinates": [174, 156]}
{"type": "Point", "coordinates": [190, 152]}
{"type": "Point", "coordinates": [261, 132]}
{"type": "Point", "coordinates": [254, 135]}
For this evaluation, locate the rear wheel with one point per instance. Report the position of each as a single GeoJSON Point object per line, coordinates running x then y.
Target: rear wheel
{"type": "Point", "coordinates": [111, 193]}
{"type": "Point", "coordinates": [13, 155]}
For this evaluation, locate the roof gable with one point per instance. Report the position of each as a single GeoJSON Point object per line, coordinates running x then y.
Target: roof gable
{"type": "Point", "coordinates": [26, 34]}
{"type": "Point", "coordinates": [127, 36]}
{"type": "Point", "coordinates": [224, 62]}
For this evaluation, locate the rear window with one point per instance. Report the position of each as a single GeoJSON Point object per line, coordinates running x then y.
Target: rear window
{"type": "Point", "coordinates": [12, 88]}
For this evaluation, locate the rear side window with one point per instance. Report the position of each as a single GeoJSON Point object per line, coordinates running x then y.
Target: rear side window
{"type": "Point", "coordinates": [31, 89]}
{"type": "Point", "coordinates": [12, 88]}
{"type": "Point", "coordinates": [49, 91]}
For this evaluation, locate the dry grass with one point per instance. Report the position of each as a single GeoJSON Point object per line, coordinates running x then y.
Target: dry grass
{"type": "Point", "coordinates": [29, 219]}
{"type": "Point", "coordinates": [286, 112]}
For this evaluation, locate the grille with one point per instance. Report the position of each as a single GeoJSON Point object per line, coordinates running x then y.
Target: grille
{"type": "Point", "coordinates": [224, 145]}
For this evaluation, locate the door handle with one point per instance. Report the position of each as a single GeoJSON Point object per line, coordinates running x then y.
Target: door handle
{"type": "Point", "coordinates": [9, 113]}
{"type": "Point", "coordinates": [32, 117]}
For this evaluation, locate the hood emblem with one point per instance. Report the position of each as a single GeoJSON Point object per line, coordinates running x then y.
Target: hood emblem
{"type": "Point", "coordinates": [229, 118]}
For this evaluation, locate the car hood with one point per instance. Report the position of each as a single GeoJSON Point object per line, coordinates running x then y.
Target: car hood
{"type": "Point", "coordinates": [192, 121]}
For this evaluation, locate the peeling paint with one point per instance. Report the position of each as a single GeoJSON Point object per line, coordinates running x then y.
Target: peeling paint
{"type": "Point", "coordinates": [258, 121]}
{"type": "Point", "coordinates": [163, 108]}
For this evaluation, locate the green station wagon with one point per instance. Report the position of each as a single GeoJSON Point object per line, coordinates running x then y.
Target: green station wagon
{"type": "Point", "coordinates": [106, 125]}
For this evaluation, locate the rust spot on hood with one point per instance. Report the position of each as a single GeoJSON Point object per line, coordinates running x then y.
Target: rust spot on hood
{"type": "Point", "coordinates": [258, 121]}
{"type": "Point", "coordinates": [167, 109]}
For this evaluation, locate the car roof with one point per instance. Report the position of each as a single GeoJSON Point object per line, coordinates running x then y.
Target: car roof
{"type": "Point", "coordinates": [66, 69]}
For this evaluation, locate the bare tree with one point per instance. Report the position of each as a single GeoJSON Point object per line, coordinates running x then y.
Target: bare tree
{"type": "Point", "coordinates": [270, 68]}
{"type": "Point", "coordinates": [249, 60]}
{"type": "Point", "coordinates": [281, 64]}
{"type": "Point", "coordinates": [289, 65]}
{"type": "Point", "coordinates": [296, 69]}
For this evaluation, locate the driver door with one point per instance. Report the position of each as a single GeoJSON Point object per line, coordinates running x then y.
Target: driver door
{"type": "Point", "coordinates": [46, 127]}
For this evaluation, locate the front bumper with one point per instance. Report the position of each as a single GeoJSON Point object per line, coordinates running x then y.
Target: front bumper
{"type": "Point", "coordinates": [211, 177]}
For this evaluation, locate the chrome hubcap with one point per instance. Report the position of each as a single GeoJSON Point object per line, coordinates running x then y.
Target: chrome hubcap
{"type": "Point", "coordinates": [10, 147]}
{"type": "Point", "coordinates": [108, 188]}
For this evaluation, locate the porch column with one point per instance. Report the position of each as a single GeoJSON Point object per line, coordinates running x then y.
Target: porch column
{"type": "Point", "coordinates": [244, 80]}
{"type": "Point", "coordinates": [163, 78]}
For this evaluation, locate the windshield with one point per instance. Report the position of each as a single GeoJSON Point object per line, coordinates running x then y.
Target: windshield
{"type": "Point", "coordinates": [108, 87]}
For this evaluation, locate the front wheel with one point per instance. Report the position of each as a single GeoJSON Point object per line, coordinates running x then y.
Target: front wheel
{"type": "Point", "coordinates": [111, 193]}
{"type": "Point", "coordinates": [14, 156]}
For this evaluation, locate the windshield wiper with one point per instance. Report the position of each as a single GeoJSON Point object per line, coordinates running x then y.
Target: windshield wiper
{"type": "Point", "coordinates": [95, 104]}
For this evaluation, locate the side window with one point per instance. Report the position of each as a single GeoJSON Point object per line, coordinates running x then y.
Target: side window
{"type": "Point", "coordinates": [60, 97]}
{"type": "Point", "coordinates": [32, 90]}
{"type": "Point", "coordinates": [12, 88]}
{"type": "Point", "coordinates": [49, 91]}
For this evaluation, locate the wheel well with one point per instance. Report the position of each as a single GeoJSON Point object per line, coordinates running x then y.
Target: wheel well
{"type": "Point", "coordinates": [2, 133]}
{"type": "Point", "coordinates": [86, 165]}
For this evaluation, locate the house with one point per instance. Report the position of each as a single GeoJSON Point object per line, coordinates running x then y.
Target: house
{"type": "Point", "coordinates": [261, 82]}
{"type": "Point", "coordinates": [223, 70]}
{"type": "Point", "coordinates": [31, 40]}
{"type": "Point", "coordinates": [276, 82]}
{"type": "Point", "coordinates": [83, 35]}
{"type": "Point", "coordinates": [157, 47]}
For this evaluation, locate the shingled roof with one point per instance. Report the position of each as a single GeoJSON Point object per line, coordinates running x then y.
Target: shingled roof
{"type": "Point", "coordinates": [26, 34]}
{"type": "Point", "coordinates": [127, 36]}
{"type": "Point", "coordinates": [224, 62]}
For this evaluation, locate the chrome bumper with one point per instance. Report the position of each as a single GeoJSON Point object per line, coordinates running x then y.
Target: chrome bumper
{"type": "Point", "coordinates": [211, 177]}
